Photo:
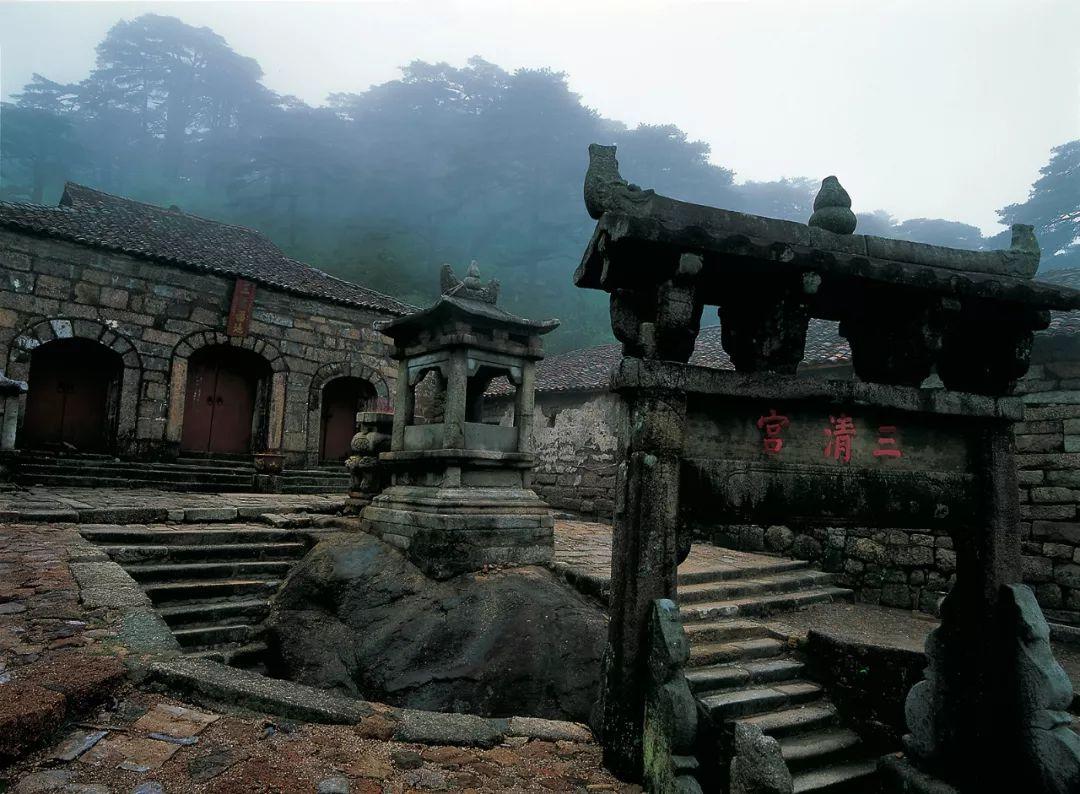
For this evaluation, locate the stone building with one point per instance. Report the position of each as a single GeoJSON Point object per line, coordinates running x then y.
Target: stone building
{"type": "Point", "coordinates": [576, 445]}
{"type": "Point", "coordinates": [151, 334]}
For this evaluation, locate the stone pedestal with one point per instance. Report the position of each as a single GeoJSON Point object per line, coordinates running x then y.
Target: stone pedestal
{"type": "Point", "coordinates": [447, 531]}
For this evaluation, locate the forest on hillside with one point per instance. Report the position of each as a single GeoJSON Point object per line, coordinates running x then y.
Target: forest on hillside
{"type": "Point", "coordinates": [383, 185]}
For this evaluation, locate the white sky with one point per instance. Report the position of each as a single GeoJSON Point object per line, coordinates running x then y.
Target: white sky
{"type": "Point", "coordinates": [937, 108]}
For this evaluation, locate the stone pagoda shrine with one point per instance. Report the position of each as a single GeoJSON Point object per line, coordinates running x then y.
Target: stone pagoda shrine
{"type": "Point", "coordinates": [459, 496]}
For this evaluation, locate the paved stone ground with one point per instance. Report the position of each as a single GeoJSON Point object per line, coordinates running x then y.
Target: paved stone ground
{"type": "Point", "coordinates": [146, 739]}
{"type": "Point", "coordinates": [585, 548]}
{"type": "Point", "coordinates": [62, 664]}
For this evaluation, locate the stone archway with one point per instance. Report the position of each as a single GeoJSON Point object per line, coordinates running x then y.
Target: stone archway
{"type": "Point", "coordinates": [269, 399]}
{"type": "Point", "coordinates": [324, 377]}
{"type": "Point", "coordinates": [120, 386]}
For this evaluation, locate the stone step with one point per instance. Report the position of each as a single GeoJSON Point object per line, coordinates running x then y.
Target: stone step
{"type": "Point", "coordinates": [739, 588]}
{"type": "Point", "coordinates": [819, 748]}
{"type": "Point", "coordinates": [287, 487]}
{"type": "Point", "coordinates": [205, 552]}
{"type": "Point", "coordinates": [786, 722]}
{"type": "Point", "coordinates": [145, 471]}
{"type": "Point", "coordinates": [246, 655]}
{"type": "Point", "coordinates": [723, 574]}
{"type": "Point", "coordinates": [759, 700]}
{"type": "Point", "coordinates": [189, 571]}
{"type": "Point", "coordinates": [89, 481]}
{"type": "Point", "coordinates": [190, 535]}
{"type": "Point", "coordinates": [727, 630]}
{"type": "Point", "coordinates": [212, 589]}
{"type": "Point", "coordinates": [707, 654]}
{"type": "Point", "coordinates": [753, 606]}
{"type": "Point", "coordinates": [725, 676]}
{"type": "Point", "coordinates": [852, 777]}
{"type": "Point", "coordinates": [249, 610]}
{"type": "Point", "coordinates": [210, 636]}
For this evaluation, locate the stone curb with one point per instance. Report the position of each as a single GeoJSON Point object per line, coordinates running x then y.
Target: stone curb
{"type": "Point", "coordinates": [221, 684]}
{"type": "Point", "coordinates": [594, 587]}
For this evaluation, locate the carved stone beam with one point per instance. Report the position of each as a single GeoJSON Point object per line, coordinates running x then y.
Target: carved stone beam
{"type": "Point", "coordinates": [763, 325]}
{"type": "Point", "coordinates": [986, 348]}
{"type": "Point", "coordinates": [678, 312]}
{"type": "Point", "coordinates": [894, 337]}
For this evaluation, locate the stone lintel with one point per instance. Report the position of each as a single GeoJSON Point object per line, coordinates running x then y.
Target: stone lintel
{"type": "Point", "coordinates": [736, 242]}
{"type": "Point", "coordinates": [737, 251]}
{"type": "Point", "coordinates": [634, 374]}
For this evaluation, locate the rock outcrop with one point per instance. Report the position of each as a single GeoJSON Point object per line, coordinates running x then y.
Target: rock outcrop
{"type": "Point", "coordinates": [355, 616]}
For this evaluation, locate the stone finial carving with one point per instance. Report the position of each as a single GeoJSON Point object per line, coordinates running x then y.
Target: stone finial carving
{"type": "Point", "coordinates": [606, 190]}
{"type": "Point", "coordinates": [471, 288]}
{"type": "Point", "coordinates": [1044, 692]}
{"type": "Point", "coordinates": [670, 709]}
{"type": "Point", "coordinates": [1024, 241]}
{"type": "Point", "coordinates": [832, 208]}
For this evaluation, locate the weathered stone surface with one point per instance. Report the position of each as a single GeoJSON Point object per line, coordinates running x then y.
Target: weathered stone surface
{"type": "Point", "coordinates": [757, 766]}
{"type": "Point", "coordinates": [1050, 750]}
{"type": "Point", "coordinates": [671, 718]}
{"type": "Point", "coordinates": [355, 616]}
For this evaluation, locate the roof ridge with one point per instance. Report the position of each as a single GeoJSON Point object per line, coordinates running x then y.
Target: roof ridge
{"type": "Point", "coordinates": [349, 283]}
{"type": "Point", "coordinates": [185, 213]}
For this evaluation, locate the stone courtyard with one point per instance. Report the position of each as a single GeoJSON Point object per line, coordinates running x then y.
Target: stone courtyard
{"type": "Point", "coordinates": [82, 711]}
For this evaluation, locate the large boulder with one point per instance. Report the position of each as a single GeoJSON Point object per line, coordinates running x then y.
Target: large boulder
{"type": "Point", "coordinates": [357, 617]}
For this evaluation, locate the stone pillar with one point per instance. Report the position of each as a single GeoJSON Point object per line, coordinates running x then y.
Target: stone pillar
{"type": "Point", "coordinates": [11, 422]}
{"type": "Point", "coordinates": [960, 714]}
{"type": "Point", "coordinates": [174, 425]}
{"type": "Point", "coordinates": [643, 568]}
{"type": "Point", "coordinates": [404, 406]}
{"type": "Point", "coordinates": [277, 411]}
{"type": "Point", "coordinates": [454, 410]}
{"type": "Point", "coordinates": [524, 406]}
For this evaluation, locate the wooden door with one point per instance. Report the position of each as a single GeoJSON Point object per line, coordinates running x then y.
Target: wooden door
{"type": "Point", "coordinates": [72, 382]}
{"type": "Point", "coordinates": [220, 403]}
{"type": "Point", "coordinates": [341, 400]}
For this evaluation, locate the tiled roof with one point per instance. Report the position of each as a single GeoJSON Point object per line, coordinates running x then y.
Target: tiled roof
{"type": "Point", "coordinates": [1062, 323]}
{"type": "Point", "coordinates": [589, 369]}
{"type": "Point", "coordinates": [102, 220]}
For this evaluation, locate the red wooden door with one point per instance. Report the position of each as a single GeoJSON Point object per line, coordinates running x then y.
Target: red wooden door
{"type": "Point", "coordinates": [72, 382]}
{"type": "Point", "coordinates": [342, 398]}
{"type": "Point", "coordinates": [220, 403]}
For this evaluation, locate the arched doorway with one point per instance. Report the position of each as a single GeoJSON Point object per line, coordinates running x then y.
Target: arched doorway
{"type": "Point", "coordinates": [225, 403]}
{"type": "Point", "coordinates": [73, 397]}
{"type": "Point", "coordinates": [342, 398]}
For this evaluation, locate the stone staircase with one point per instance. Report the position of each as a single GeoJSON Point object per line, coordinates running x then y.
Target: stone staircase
{"type": "Point", "coordinates": [740, 670]}
{"type": "Point", "coordinates": [212, 583]}
{"type": "Point", "coordinates": [198, 474]}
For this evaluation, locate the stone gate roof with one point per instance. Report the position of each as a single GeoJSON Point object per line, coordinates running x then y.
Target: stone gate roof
{"type": "Point", "coordinates": [102, 220]}
{"type": "Point", "coordinates": [589, 368]}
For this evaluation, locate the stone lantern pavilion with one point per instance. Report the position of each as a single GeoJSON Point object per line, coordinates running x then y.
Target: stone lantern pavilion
{"type": "Point", "coordinates": [459, 498]}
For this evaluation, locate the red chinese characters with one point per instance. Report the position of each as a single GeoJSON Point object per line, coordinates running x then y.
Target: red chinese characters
{"type": "Point", "coordinates": [772, 427]}
{"type": "Point", "coordinates": [840, 435]}
{"type": "Point", "coordinates": [886, 443]}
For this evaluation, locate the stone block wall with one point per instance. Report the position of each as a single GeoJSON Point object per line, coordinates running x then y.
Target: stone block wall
{"type": "Point", "coordinates": [1048, 458]}
{"type": "Point", "coordinates": [155, 315]}
{"type": "Point", "coordinates": [905, 568]}
{"type": "Point", "coordinates": [575, 439]}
